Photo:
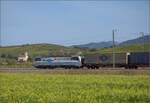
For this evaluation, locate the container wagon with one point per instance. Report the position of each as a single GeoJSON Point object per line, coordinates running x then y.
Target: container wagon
{"type": "Point", "coordinates": [139, 59]}
{"type": "Point", "coordinates": [103, 60]}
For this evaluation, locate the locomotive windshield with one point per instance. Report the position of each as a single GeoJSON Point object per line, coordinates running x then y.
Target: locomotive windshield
{"type": "Point", "coordinates": [75, 58]}
{"type": "Point", "coordinates": [37, 59]}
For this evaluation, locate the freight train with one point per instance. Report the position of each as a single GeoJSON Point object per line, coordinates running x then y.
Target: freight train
{"type": "Point", "coordinates": [94, 61]}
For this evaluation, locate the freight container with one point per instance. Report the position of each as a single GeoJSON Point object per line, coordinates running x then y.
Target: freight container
{"type": "Point", "coordinates": [121, 59]}
{"type": "Point", "coordinates": [139, 59]}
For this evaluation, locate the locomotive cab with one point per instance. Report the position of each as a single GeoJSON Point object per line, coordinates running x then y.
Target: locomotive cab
{"type": "Point", "coordinates": [78, 58]}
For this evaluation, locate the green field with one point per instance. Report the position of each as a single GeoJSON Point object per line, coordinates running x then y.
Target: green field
{"type": "Point", "coordinates": [79, 88]}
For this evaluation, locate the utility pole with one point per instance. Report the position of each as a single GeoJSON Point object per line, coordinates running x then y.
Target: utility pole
{"type": "Point", "coordinates": [113, 35]}
{"type": "Point", "coordinates": [0, 40]}
{"type": "Point", "coordinates": [142, 35]}
{"type": "Point", "coordinates": [0, 45]}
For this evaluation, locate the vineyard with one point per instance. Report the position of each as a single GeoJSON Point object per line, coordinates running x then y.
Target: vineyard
{"type": "Point", "coordinates": [77, 88]}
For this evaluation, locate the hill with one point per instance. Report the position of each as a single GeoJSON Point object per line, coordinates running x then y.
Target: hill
{"type": "Point", "coordinates": [37, 49]}
{"type": "Point", "coordinates": [107, 44]}
{"type": "Point", "coordinates": [140, 40]}
{"type": "Point", "coordinates": [8, 55]}
{"type": "Point", "coordinates": [95, 45]}
{"type": "Point", "coordinates": [58, 50]}
{"type": "Point", "coordinates": [127, 48]}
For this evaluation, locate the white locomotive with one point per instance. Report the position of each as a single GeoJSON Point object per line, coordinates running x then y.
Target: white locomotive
{"type": "Point", "coordinates": [53, 62]}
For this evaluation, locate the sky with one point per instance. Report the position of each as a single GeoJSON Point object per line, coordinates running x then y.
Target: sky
{"type": "Point", "coordinates": [72, 22]}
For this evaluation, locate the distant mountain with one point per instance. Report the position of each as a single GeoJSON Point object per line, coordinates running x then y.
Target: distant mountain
{"type": "Point", "coordinates": [140, 40]}
{"type": "Point", "coordinates": [96, 45]}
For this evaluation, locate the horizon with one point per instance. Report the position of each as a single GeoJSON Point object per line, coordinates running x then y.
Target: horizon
{"type": "Point", "coordinates": [67, 45]}
{"type": "Point", "coordinates": [72, 22]}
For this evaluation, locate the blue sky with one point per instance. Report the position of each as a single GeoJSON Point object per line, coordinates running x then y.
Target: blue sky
{"type": "Point", "coordinates": [72, 22]}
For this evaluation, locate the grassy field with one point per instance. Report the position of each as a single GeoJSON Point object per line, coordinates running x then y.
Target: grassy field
{"type": "Point", "coordinates": [85, 88]}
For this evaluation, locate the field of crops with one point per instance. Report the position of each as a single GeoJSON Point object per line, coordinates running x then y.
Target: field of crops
{"type": "Point", "coordinates": [79, 88]}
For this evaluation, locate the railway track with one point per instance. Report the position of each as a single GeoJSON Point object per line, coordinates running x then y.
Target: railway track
{"type": "Point", "coordinates": [77, 71]}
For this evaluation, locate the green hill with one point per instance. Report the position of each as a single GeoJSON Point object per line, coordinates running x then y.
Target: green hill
{"type": "Point", "coordinates": [37, 50]}
{"type": "Point", "coordinates": [127, 48]}
{"type": "Point", "coordinates": [9, 54]}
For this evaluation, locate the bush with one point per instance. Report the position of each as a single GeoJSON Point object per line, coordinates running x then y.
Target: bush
{"type": "Point", "coordinates": [11, 61]}
{"type": "Point", "coordinates": [93, 50]}
{"type": "Point", "coordinates": [3, 56]}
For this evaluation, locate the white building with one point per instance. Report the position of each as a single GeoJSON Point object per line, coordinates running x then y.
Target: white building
{"type": "Point", "coordinates": [23, 58]}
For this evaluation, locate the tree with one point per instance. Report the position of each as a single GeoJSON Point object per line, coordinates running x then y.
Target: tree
{"type": "Point", "coordinates": [3, 55]}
